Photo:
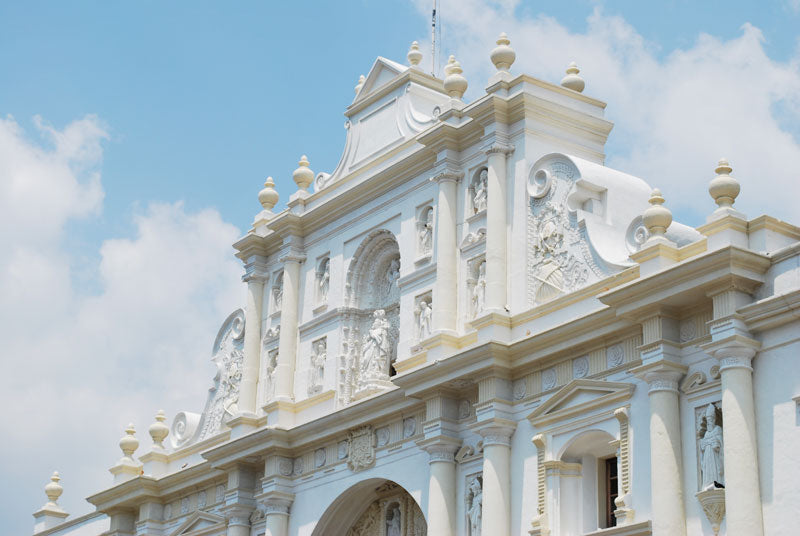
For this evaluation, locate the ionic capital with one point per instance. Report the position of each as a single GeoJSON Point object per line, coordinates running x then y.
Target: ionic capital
{"type": "Point", "coordinates": [734, 352]}
{"type": "Point", "coordinates": [448, 175]}
{"type": "Point", "coordinates": [275, 502]}
{"type": "Point", "coordinates": [255, 269]}
{"type": "Point", "coordinates": [497, 434]}
{"type": "Point", "coordinates": [293, 256]}
{"type": "Point", "coordinates": [440, 448]}
{"type": "Point", "coordinates": [661, 376]}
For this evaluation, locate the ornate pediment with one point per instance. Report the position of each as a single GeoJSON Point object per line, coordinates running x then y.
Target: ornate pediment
{"type": "Point", "coordinates": [579, 397]}
{"type": "Point", "coordinates": [200, 524]}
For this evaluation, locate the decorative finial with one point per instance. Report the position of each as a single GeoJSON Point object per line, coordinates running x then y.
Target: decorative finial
{"type": "Point", "coordinates": [158, 430]}
{"type": "Point", "coordinates": [503, 55]}
{"type": "Point", "coordinates": [724, 188]}
{"type": "Point", "coordinates": [129, 443]}
{"type": "Point", "coordinates": [360, 84]}
{"type": "Point", "coordinates": [573, 81]}
{"type": "Point", "coordinates": [268, 196]}
{"type": "Point", "coordinates": [303, 174]}
{"type": "Point", "coordinates": [657, 218]}
{"type": "Point", "coordinates": [454, 83]}
{"type": "Point", "coordinates": [414, 55]}
{"type": "Point", "coordinates": [53, 489]}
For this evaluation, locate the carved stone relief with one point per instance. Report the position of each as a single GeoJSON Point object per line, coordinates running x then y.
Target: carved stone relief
{"type": "Point", "coordinates": [615, 355]}
{"type": "Point", "coordinates": [479, 190]}
{"type": "Point", "coordinates": [409, 427]}
{"type": "Point", "coordinates": [519, 388]}
{"type": "Point", "coordinates": [382, 436]}
{"type": "Point", "coordinates": [323, 280]}
{"type": "Point", "coordinates": [277, 293]}
{"type": "Point", "coordinates": [425, 231]}
{"type": "Point", "coordinates": [580, 367]}
{"type": "Point", "coordinates": [361, 449]}
{"type": "Point", "coordinates": [559, 258]}
{"type": "Point", "coordinates": [710, 447]}
{"type": "Point", "coordinates": [370, 332]}
{"type": "Point", "coordinates": [549, 379]}
{"type": "Point", "coordinates": [474, 505]}
{"type": "Point", "coordinates": [316, 376]}
{"type": "Point", "coordinates": [319, 458]}
{"type": "Point", "coordinates": [394, 513]}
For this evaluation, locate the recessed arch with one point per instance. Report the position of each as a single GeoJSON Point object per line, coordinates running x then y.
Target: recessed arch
{"type": "Point", "coordinates": [370, 504]}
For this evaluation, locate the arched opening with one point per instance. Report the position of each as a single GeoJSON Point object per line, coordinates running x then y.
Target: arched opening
{"type": "Point", "coordinates": [587, 482]}
{"type": "Point", "coordinates": [373, 507]}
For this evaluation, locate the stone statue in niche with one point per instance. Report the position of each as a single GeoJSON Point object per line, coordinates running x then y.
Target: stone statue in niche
{"type": "Point", "coordinates": [474, 506]}
{"type": "Point", "coordinates": [393, 525]}
{"type": "Point", "coordinates": [393, 274]}
{"type": "Point", "coordinates": [323, 281]}
{"type": "Point", "coordinates": [377, 348]}
{"type": "Point", "coordinates": [277, 293]}
{"type": "Point", "coordinates": [480, 192]}
{"type": "Point", "coordinates": [711, 454]}
{"type": "Point", "coordinates": [318, 358]}
{"type": "Point", "coordinates": [424, 319]}
{"type": "Point", "coordinates": [272, 366]}
{"type": "Point", "coordinates": [425, 232]}
{"type": "Point", "coordinates": [479, 290]}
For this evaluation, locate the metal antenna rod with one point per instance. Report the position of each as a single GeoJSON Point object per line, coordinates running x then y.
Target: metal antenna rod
{"type": "Point", "coordinates": [433, 39]}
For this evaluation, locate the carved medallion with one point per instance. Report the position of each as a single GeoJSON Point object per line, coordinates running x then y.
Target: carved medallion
{"type": "Point", "coordinates": [361, 450]}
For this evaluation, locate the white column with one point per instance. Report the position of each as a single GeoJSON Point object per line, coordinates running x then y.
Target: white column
{"type": "Point", "coordinates": [496, 514]}
{"type": "Point", "coordinates": [666, 488]}
{"type": "Point", "coordinates": [445, 291]}
{"type": "Point", "coordinates": [277, 515]}
{"type": "Point", "coordinates": [239, 523]}
{"type": "Point", "coordinates": [442, 490]}
{"type": "Point", "coordinates": [287, 343]}
{"type": "Point", "coordinates": [252, 343]}
{"type": "Point", "coordinates": [742, 489]}
{"type": "Point", "coordinates": [496, 229]}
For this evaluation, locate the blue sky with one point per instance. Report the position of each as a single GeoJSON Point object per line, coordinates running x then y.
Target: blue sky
{"type": "Point", "coordinates": [161, 120]}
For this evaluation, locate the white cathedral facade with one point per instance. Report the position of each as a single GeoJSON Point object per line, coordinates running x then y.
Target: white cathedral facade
{"type": "Point", "coordinates": [473, 327]}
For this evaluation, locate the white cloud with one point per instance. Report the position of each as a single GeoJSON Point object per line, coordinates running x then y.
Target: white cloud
{"type": "Point", "coordinates": [82, 364]}
{"type": "Point", "coordinates": [674, 115]}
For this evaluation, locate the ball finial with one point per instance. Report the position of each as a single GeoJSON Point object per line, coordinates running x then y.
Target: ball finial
{"type": "Point", "coordinates": [158, 430]}
{"type": "Point", "coordinates": [414, 55]}
{"type": "Point", "coordinates": [503, 55]}
{"type": "Point", "coordinates": [268, 196]}
{"type": "Point", "coordinates": [303, 175]}
{"type": "Point", "coordinates": [454, 83]}
{"type": "Point", "coordinates": [573, 81]}
{"type": "Point", "coordinates": [129, 443]}
{"type": "Point", "coordinates": [53, 489]}
{"type": "Point", "coordinates": [360, 84]}
{"type": "Point", "coordinates": [724, 188]}
{"type": "Point", "coordinates": [657, 218]}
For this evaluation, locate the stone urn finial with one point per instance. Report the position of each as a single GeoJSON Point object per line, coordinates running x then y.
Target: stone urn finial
{"type": "Point", "coordinates": [724, 188]}
{"type": "Point", "coordinates": [454, 83]}
{"type": "Point", "coordinates": [414, 54]}
{"type": "Point", "coordinates": [303, 175]}
{"type": "Point", "coordinates": [158, 430]}
{"type": "Point", "coordinates": [657, 218]}
{"type": "Point", "coordinates": [503, 55]}
{"type": "Point", "coordinates": [268, 196]}
{"type": "Point", "coordinates": [573, 81]}
{"type": "Point", "coordinates": [53, 490]}
{"type": "Point", "coordinates": [129, 443]}
{"type": "Point", "coordinates": [360, 84]}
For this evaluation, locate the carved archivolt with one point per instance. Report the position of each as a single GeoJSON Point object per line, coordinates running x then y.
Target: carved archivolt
{"type": "Point", "coordinates": [395, 513]}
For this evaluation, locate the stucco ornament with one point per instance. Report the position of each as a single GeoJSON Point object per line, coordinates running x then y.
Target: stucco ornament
{"type": "Point", "coordinates": [479, 290]}
{"type": "Point", "coordinates": [377, 348]}
{"type": "Point", "coordinates": [323, 281]}
{"type": "Point", "coordinates": [223, 396]}
{"type": "Point", "coordinates": [277, 293]}
{"type": "Point", "coordinates": [474, 506]}
{"type": "Point", "coordinates": [317, 372]}
{"type": "Point", "coordinates": [480, 190]}
{"type": "Point", "coordinates": [361, 448]}
{"type": "Point", "coordinates": [424, 320]}
{"type": "Point", "coordinates": [709, 434]}
{"type": "Point", "coordinates": [425, 232]}
{"type": "Point", "coordinates": [269, 375]}
{"type": "Point", "coordinates": [393, 519]}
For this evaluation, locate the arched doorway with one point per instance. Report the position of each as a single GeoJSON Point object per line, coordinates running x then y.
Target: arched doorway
{"type": "Point", "coordinates": [374, 507]}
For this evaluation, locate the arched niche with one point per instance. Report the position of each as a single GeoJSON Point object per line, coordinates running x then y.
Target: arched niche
{"type": "Point", "coordinates": [373, 507]}
{"type": "Point", "coordinates": [372, 323]}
